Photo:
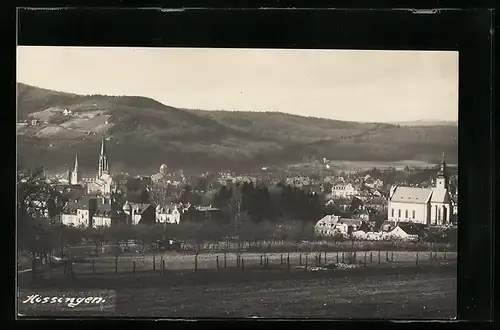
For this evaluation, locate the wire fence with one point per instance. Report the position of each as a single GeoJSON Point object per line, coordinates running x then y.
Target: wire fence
{"type": "Point", "coordinates": [294, 261]}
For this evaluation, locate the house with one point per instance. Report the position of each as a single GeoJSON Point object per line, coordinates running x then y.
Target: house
{"type": "Point", "coordinates": [79, 213]}
{"type": "Point", "coordinates": [168, 214]}
{"type": "Point", "coordinates": [430, 206]}
{"type": "Point", "coordinates": [348, 226]}
{"type": "Point", "coordinates": [201, 213]}
{"type": "Point", "coordinates": [326, 226]}
{"type": "Point", "coordinates": [106, 215]}
{"type": "Point", "coordinates": [67, 112]}
{"type": "Point", "coordinates": [139, 213]}
{"type": "Point", "coordinates": [344, 191]}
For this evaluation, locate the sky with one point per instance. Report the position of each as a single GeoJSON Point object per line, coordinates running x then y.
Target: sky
{"type": "Point", "coordinates": [367, 85]}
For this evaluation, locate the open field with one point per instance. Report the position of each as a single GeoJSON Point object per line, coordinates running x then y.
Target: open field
{"type": "Point", "coordinates": [413, 292]}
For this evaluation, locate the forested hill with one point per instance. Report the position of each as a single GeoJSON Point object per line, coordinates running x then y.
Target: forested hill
{"type": "Point", "coordinates": [144, 133]}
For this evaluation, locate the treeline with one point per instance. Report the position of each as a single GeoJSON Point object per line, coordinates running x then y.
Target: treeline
{"type": "Point", "coordinates": [276, 204]}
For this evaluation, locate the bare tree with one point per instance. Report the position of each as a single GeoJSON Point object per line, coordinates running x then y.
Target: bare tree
{"type": "Point", "coordinates": [160, 193]}
{"type": "Point", "coordinates": [33, 226]}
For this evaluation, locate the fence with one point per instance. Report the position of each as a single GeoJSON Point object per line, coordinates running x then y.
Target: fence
{"type": "Point", "coordinates": [294, 261]}
{"type": "Point", "coordinates": [309, 246]}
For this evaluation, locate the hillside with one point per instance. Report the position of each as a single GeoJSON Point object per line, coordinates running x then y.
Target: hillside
{"type": "Point", "coordinates": [143, 133]}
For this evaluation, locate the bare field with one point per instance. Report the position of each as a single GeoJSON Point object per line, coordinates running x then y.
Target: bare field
{"type": "Point", "coordinates": [423, 292]}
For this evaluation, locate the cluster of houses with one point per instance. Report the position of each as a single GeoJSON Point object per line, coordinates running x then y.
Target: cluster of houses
{"type": "Point", "coordinates": [98, 211]}
{"type": "Point", "coordinates": [332, 225]}
{"type": "Point", "coordinates": [410, 210]}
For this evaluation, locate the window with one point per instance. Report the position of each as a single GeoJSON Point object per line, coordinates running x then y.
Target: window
{"type": "Point", "coordinates": [439, 214]}
{"type": "Point", "coordinates": [399, 213]}
{"type": "Point", "coordinates": [413, 214]}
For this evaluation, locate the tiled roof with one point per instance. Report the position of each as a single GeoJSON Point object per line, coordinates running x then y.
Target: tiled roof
{"type": "Point", "coordinates": [351, 222]}
{"type": "Point", "coordinates": [411, 195]}
{"type": "Point", "coordinates": [328, 219]}
{"type": "Point", "coordinates": [140, 207]}
{"type": "Point", "coordinates": [411, 228]}
{"type": "Point", "coordinates": [440, 196]}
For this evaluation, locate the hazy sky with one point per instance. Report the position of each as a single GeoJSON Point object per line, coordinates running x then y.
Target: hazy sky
{"type": "Point", "coordinates": [347, 85]}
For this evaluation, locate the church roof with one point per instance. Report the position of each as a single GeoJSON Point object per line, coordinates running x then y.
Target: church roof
{"type": "Point", "coordinates": [411, 195]}
{"type": "Point", "coordinates": [440, 196]}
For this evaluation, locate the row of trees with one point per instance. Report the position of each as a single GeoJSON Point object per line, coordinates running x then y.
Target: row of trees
{"type": "Point", "coordinates": [281, 203]}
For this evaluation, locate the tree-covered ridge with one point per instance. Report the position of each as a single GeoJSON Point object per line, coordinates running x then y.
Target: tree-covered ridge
{"type": "Point", "coordinates": [146, 133]}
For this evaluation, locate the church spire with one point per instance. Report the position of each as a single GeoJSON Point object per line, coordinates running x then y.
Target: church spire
{"type": "Point", "coordinates": [442, 170]}
{"type": "Point", "coordinates": [76, 163]}
{"type": "Point", "coordinates": [75, 175]}
{"type": "Point", "coordinates": [103, 159]}
{"type": "Point", "coordinates": [103, 146]}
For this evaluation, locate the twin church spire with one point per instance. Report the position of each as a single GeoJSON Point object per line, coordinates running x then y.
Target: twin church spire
{"type": "Point", "coordinates": [103, 166]}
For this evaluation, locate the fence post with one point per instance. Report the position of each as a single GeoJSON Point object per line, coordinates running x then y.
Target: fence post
{"type": "Point", "coordinates": [196, 262]}
{"type": "Point", "coordinates": [225, 259]}
{"type": "Point", "coordinates": [392, 256]}
{"type": "Point", "coordinates": [154, 261]}
{"type": "Point", "coordinates": [288, 261]}
{"type": "Point", "coordinates": [133, 269]}
{"type": "Point", "coordinates": [379, 256]}
{"type": "Point", "coordinates": [325, 258]}
{"type": "Point", "coordinates": [417, 259]}
{"type": "Point", "coordinates": [444, 253]}
{"type": "Point", "coordinates": [116, 265]}
{"type": "Point", "coordinates": [337, 257]}
{"type": "Point", "coordinates": [267, 262]}
{"type": "Point", "coordinates": [386, 255]}
{"type": "Point", "coordinates": [281, 259]}
{"type": "Point", "coordinates": [93, 265]}
{"type": "Point", "coordinates": [430, 255]}
{"type": "Point", "coordinates": [306, 262]}
{"type": "Point", "coordinates": [319, 258]}
{"type": "Point", "coordinates": [65, 266]}
{"type": "Point", "coordinates": [365, 259]}
{"type": "Point", "coordinates": [242, 264]}
{"type": "Point", "coordinates": [217, 261]}
{"type": "Point", "coordinates": [261, 259]}
{"type": "Point", "coordinates": [163, 267]}
{"type": "Point", "coordinates": [300, 259]}
{"type": "Point", "coordinates": [354, 255]}
{"type": "Point", "coordinates": [343, 257]}
{"type": "Point", "coordinates": [371, 256]}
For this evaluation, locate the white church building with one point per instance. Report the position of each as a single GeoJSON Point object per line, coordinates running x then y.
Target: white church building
{"type": "Point", "coordinates": [429, 206]}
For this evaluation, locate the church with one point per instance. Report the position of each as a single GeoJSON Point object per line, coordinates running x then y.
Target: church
{"type": "Point", "coordinates": [103, 182]}
{"type": "Point", "coordinates": [428, 206]}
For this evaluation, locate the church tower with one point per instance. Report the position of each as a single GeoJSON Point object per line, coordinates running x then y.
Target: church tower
{"type": "Point", "coordinates": [75, 175]}
{"type": "Point", "coordinates": [442, 176]}
{"type": "Point", "coordinates": [103, 160]}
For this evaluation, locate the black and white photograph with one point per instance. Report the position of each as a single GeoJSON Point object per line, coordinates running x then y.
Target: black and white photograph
{"type": "Point", "coordinates": [175, 182]}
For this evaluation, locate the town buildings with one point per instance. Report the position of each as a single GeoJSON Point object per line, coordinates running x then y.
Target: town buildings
{"type": "Point", "coordinates": [168, 214]}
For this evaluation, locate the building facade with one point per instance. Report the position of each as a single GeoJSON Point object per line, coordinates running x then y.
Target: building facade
{"type": "Point", "coordinates": [429, 206]}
